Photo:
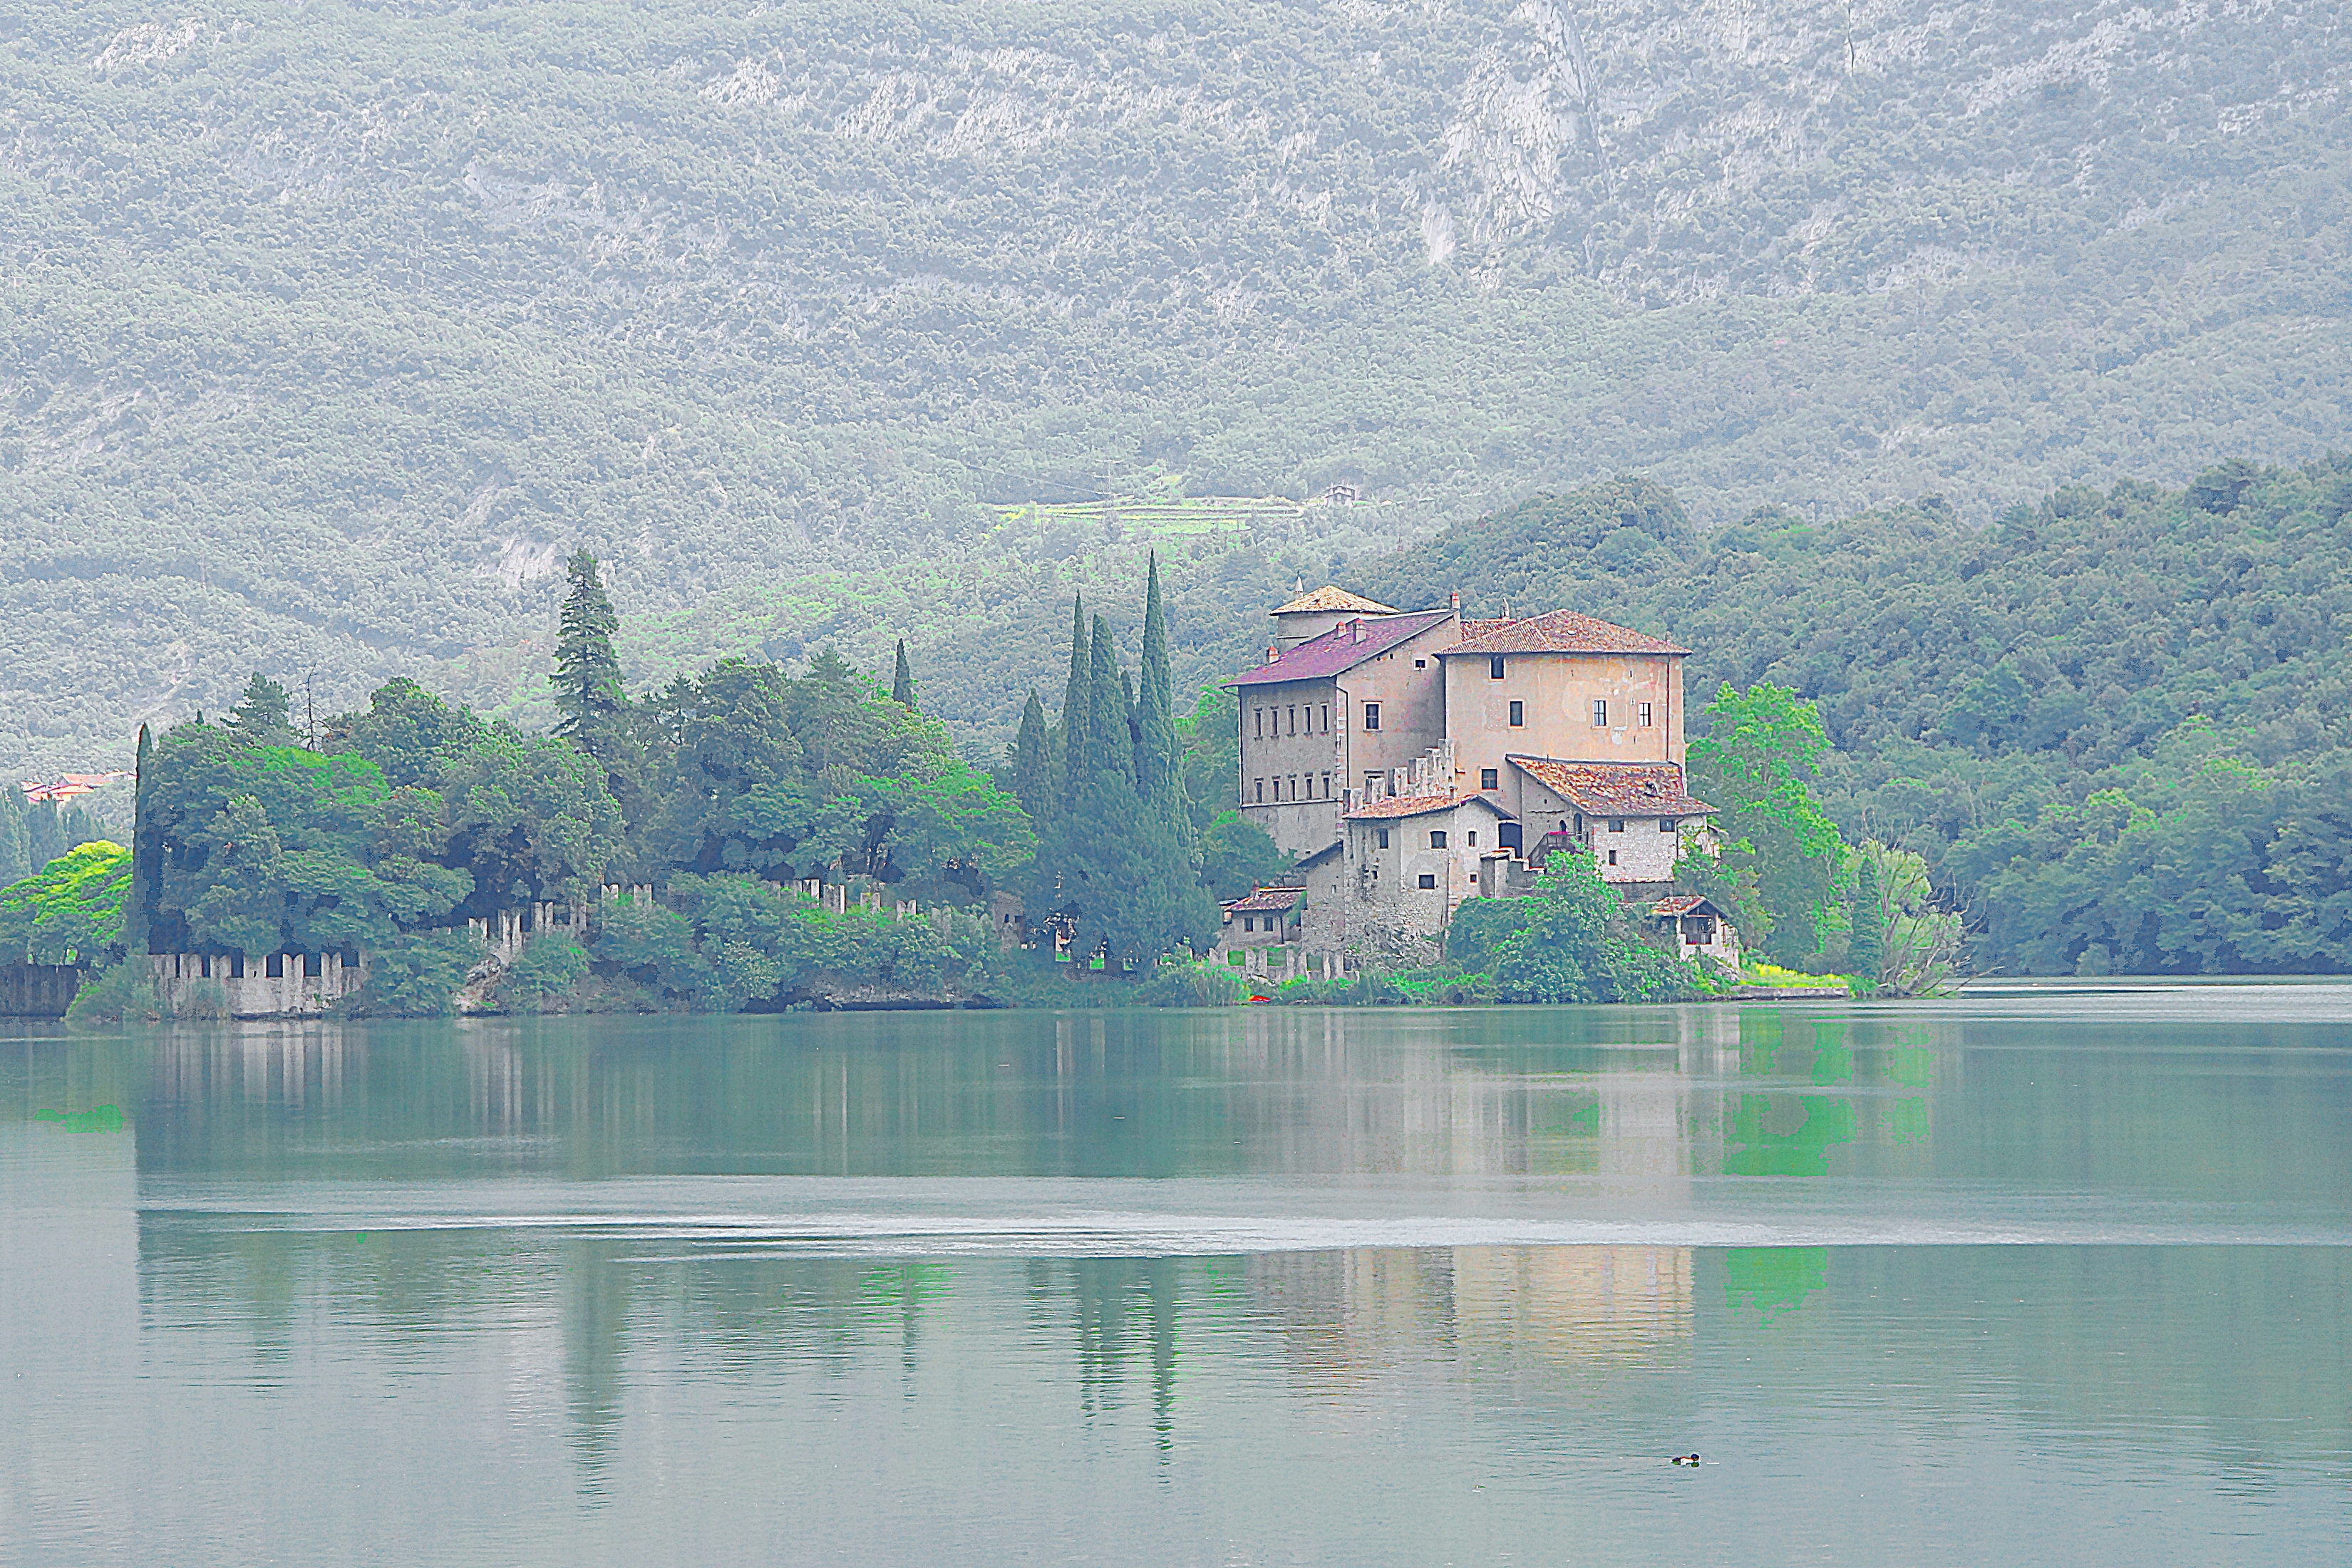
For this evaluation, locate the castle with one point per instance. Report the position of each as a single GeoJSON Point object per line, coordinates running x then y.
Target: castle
{"type": "Point", "coordinates": [1412, 759]}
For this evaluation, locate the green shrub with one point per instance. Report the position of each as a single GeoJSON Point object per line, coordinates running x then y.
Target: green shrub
{"type": "Point", "coordinates": [122, 993]}
{"type": "Point", "coordinates": [549, 966]}
{"type": "Point", "coordinates": [1188, 985]}
{"type": "Point", "coordinates": [416, 974]}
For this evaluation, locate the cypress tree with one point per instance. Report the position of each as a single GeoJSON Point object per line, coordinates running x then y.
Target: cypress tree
{"type": "Point", "coordinates": [1112, 744]}
{"type": "Point", "coordinates": [1070, 734]}
{"type": "Point", "coordinates": [902, 684]}
{"type": "Point", "coordinates": [1866, 951]}
{"type": "Point", "coordinates": [14, 865]}
{"type": "Point", "coordinates": [1033, 760]}
{"type": "Point", "coordinates": [145, 855]}
{"type": "Point", "coordinates": [1156, 776]}
{"type": "Point", "coordinates": [587, 675]}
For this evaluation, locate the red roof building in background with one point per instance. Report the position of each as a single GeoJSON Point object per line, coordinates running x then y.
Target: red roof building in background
{"type": "Point", "coordinates": [66, 787]}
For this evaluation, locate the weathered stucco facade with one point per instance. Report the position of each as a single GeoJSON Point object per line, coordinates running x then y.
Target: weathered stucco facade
{"type": "Point", "coordinates": [1362, 697]}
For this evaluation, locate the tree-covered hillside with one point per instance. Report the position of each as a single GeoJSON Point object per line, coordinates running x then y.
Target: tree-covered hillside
{"type": "Point", "coordinates": [330, 329]}
{"type": "Point", "coordinates": [2117, 723]}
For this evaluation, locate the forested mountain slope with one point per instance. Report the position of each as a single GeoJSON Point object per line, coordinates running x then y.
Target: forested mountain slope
{"type": "Point", "coordinates": [2019, 702]}
{"type": "Point", "coordinates": [329, 328]}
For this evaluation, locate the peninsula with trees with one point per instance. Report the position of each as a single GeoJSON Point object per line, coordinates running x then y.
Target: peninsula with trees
{"type": "Point", "coordinates": [1914, 749]}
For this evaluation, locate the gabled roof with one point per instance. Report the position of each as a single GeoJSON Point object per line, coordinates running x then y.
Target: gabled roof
{"type": "Point", "coordinates": [1341, 648]}
{"type": "Point", "coordinates": [1684, 904]}
{"type": "Point", "coordinates": [1266, 899]}
{"type": "Point", "coordinates": [1616, 789]}
{"type": "Point", "coordinates": [1559, 631]}
{"type": "Point", "coordinates": [1395, 805]}
{"type": "Point", "coordinates": [1331, 597]}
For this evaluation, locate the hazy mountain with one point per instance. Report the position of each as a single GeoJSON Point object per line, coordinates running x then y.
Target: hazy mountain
{"type": "Point", "coordinates": [330, 327]}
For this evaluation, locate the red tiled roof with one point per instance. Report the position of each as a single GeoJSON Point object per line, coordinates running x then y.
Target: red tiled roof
{"type": "Point", "coordinates": [1266, 899]}
{"type": "Point", "coordinates": [1397, 805]}
{"type": "Point", "coordinates": [1559, 631]}
{"type": "Point", "coordinates": [1338, 649]}
{"type": "Point", "coordinates": [1331, 596]}
{"type": "Point", "coordinates": [1616, 789]}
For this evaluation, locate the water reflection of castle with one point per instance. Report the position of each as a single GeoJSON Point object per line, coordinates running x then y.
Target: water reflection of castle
{"type": "Point", "coordinates": [1635, 1106]}
{"type": "Point", "coordinates": [1348, 1319]}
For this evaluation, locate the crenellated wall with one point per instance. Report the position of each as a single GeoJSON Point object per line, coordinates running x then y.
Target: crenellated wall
{"type": "Point", "coordinates": [280, 985]}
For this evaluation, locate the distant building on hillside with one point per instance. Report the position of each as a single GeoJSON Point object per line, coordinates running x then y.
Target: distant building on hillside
{"type": "Point", "coordinates": [66, 787]}
{"type": "Point", "coordinates": [1413, 759]}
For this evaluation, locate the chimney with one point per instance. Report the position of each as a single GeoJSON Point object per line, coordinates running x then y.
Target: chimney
{"type": "Point", "coordinates": [1457, 601]}
{"type": "Point", "coordinates": [1272, 653]}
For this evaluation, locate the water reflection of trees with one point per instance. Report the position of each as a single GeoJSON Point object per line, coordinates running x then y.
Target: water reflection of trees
{"type": "Point", "coordinates": [1671, 1095]}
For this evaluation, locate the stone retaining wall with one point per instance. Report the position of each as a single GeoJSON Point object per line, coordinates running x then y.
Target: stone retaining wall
{"type": "Point", "coordinates": [37, 990]}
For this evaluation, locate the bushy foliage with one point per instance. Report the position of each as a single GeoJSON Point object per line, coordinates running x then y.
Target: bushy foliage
{"type": "Point", "coordinates": [415, 974]}
{"type": "Point", "coordinates": [70, 912]}
{"type": "Point", "coordinates": [1181, 985]}
{"type": "Point", "coordinates": [1578, 944]}
{"type": "Point", "coordinates": [549, 966]}
{"type": "Point", "coordinates": [122, 993]}
{"type": "Point", "coordinates": [1755, 760]}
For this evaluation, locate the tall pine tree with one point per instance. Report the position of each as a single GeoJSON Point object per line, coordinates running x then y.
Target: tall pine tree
{"type": "Point", "coordinates": [902, 683]}
{"type": "Point", "coordinates": [588, 694]}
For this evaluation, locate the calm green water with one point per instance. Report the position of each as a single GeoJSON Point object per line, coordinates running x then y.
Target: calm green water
{"type": "Point", "coordinates": [2036, 1277]}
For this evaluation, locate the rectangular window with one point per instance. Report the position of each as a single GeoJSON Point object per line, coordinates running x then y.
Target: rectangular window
{"type": "Point", "coordinates": [1437, 839]}
{"type": "Point", "coordinates": [1327, 786]}
{"type": "Point", "coordinates": [1384, 837]}
{"type": "Point", "coordinates": [1326, 717]}
{"type": "Point", "coordinates": [1259, 714]}
{"type": "Point", "coordinates": [1518, 715]}
{"type": "Point", "coordinates": [1612, 857]}
{"type": "Point", "coordinates": [1667, 825]}
{"type": "Point", "coordinates": [1474, 839]}
{"type": "Point", "coordinates": [1249, 922]}
{"type": "Point", "coordinates": [1490, 778]}
{"type": "Point", "coordinates": [1259, 795]}
{"type": "Point", "coordinates": [1600, 714]}
{"type": "Point", "coordinates": [1372, 715]}
{"type": "Point", "coordinates": [1429, 879]}
{"type": "Point", "coordinates": [1421, 664]}
{"type": "Point", "coordinates": [1371, 783]}
{"type": "Point", "coordinates": [1642, 714]}
{"type": "Point", "coordinates": [1495, 667]}
{"type": "Point", "coordinates": [1294, 787]}
{"type": "Point", "coordinates": [1616, 825]}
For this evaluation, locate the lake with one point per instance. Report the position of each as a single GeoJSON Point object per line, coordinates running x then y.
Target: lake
{"type": "Point", "coordinates": [2045, 1274]}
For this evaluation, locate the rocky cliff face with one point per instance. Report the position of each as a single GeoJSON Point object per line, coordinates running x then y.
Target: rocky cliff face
{"type": "Point", "coordinates": [330, 327]}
